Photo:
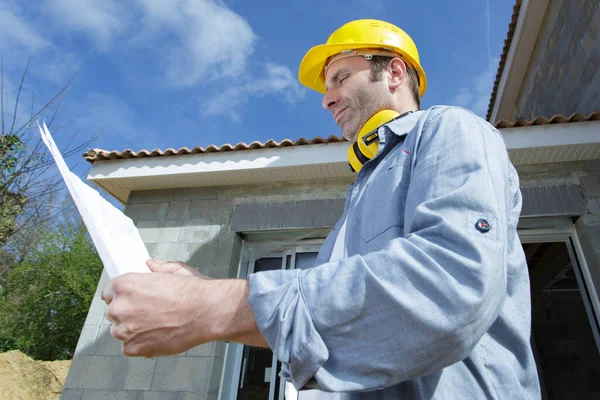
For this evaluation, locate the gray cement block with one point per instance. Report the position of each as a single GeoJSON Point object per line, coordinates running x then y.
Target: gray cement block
{"type": "Point", "coordinates": [200, 255]}
{"type": "Point", "coordinates": [109, 395]}
{"type": "Point", "coordinates": [147, 212]}
{"type": "Point", "coordinates": [199, 193]}
{"type": "Point", "coordinates": [170, 251]}
{"type": "Point", "coordinates": [151, 247]}
{"type": "Point", "coordinates": [87, 340]}
{"type": "Point", "coordinates": [192, 396]}
{"type": "Point", "coordinates": [139, 373]}
{"type": "Point", "coordinates": [588, 232]}
{"type": "Point", "coordinates": [201, 233]}
{"type": "Point", "coordinates": [152, 395]}
{"type": "Point", "coordinates": [227, 250]}
{"type": "Point", "coordinates": [593, 167]}
{"type": "Point", "coordinates": [119, 373]}
{"type": "Point", "coordinates": [593, 205]}
{"type": "Point", "coordinates": [590, 185]}
{"type": "Point", "coordinates": [107, 345]}
{"type": "Point", "coordinates": [77, 372]}
{"type": "Point", "coordinates": [212, 349]}
{"type": "Point", "coordinates": [159, 234]}
{"type": "Point", "coordinates": [178, 211]}
{"type": "Point", "coordinates": [189, 374]}
{"type": "Point", "coordinates": [215, 271]}
{"type": "Point", "coordinates": [71, 394]}
{"type": "Point", "coordinates": [203, 212]}
{"type": "Point", "coordinates": [151, 196]}
{"type": "Point", "coordinates": [215, 376]}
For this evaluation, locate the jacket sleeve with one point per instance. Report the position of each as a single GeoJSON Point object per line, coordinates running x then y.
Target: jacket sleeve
{"type": "Point", "coordinates": [424, 300]}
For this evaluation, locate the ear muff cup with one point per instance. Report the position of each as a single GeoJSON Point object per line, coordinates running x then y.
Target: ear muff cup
{"type": "Point", "coordinates": [367, 140]}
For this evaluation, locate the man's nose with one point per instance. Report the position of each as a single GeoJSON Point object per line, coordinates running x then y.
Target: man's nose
{"type": "Point", "coordinates": [330, 99]}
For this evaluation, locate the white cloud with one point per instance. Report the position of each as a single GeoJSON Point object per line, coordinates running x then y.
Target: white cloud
{"type": "Point", "coordinates": [196, 43]}
{"type": "Point", "coordinates": [16, 35]}
{"type": "Point", "coordinates": [21, 37]}
{"type": "Point", "coordinates": [476, 96]}
{"type": "Point", "coordinates": [212, 42]}
{"type": "Point", "coordinates": [278, 81]}
{"type": "Point", "coordinates": [104, 20]}
{"type": "Point", "coordinates": [58, 68]}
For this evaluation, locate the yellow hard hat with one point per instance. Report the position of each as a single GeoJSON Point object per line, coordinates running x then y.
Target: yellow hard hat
{"type": "Point", "coordinates": [356, 35]}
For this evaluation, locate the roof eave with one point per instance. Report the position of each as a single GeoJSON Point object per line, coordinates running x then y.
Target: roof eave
{"type": "Point", "coordinates": [519, 45]}
{"type": "Point", "coordinates": [545, 142]}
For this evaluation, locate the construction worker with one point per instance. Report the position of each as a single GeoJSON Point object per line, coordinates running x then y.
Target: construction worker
{"type": "Point", "coordinates": [421, 290]}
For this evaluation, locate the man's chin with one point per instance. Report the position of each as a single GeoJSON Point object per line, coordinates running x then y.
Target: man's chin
{"type": "Point", "coordinates": [349, 134]}
{"type": "Point", "coordinates": [348, 137]}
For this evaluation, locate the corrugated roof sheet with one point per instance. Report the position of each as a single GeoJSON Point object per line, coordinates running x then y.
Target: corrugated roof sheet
{"type": "Point", "coordinates": [94, 155]}
{"type": "Point", "coordinates": [507, 42]}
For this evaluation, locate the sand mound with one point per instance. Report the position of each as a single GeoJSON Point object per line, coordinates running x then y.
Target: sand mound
{"type": "Point", "coordinates": [22, 378]}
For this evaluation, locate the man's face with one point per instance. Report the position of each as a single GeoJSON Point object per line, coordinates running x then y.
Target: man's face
{"type": "Point", "coordinates": [352, 96]}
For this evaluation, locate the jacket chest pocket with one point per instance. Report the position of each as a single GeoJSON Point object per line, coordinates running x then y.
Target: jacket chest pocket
{"type": "Point", "coordinates": [382, 205]}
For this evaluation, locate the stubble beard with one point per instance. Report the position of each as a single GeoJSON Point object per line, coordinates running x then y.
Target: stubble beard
{"type": "Point", "coordinates": [358, 113]}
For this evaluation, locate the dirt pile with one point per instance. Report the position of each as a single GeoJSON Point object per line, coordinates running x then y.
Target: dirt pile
{"type": "Point", "coordinates": [22, 378]}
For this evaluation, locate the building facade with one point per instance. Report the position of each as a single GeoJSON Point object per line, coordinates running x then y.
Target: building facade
{"type": "Point", "coordinates": [231, 211]}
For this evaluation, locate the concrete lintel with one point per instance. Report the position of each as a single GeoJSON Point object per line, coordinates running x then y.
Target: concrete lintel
{"type": "Point", "coordinates": [286, 215]}
{"type": "Point", "coordinates": [552, 201]}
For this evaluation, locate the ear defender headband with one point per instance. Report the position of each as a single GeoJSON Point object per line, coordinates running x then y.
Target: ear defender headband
{"type": "Point", "coordinates": [367, 140]}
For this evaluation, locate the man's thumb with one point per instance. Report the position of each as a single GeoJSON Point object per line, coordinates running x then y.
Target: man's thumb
{"type": "Point", "coordinates": [157, 265]}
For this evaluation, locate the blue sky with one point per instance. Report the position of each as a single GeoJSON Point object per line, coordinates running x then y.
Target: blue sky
{"type": "Point", "coordinates": [173, 73]}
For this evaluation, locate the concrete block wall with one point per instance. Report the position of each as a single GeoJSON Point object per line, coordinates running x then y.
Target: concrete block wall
{"type": "Point", "coordinates": [194, 225]}
{"type": "Point", "coordinates": [191, 225]}
{"type": "Point", "coordinates": [586, 176]}
{"type": "Point", "coordinates": [563, 75]}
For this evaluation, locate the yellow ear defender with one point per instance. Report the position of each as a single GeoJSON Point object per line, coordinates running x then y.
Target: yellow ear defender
{"type": "Point", "coordinates": [367, 140]}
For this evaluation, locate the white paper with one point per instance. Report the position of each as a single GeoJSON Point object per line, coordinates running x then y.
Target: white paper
{"type": "Point", "coordinates": [115, 236]}
{"type": "Point", "coordinates": [290, 392]}
{"type": "Point", "coordinates": [313, 394]}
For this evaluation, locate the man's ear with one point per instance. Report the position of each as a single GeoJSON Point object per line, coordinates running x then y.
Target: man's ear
{"type": "Point", "coordinates": [397, 69]}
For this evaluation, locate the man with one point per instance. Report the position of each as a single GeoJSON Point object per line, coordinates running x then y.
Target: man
{"type": "Point", "coordinates": [420, 291]}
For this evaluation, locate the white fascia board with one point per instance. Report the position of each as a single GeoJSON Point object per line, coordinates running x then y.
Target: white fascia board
{"type": "Point", "coordinates": [566, 134]}
{"type": "Point", "coordinates": [294, 156]}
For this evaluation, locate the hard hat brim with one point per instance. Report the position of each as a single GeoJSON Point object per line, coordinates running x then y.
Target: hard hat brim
{"type": "Point", "coordinates": [310, 73]}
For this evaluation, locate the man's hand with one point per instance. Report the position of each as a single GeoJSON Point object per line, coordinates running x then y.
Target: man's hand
{"type": "Point", "coordinates": [169, 312]}
{"type": "Point", "coordinates": [174, 267]}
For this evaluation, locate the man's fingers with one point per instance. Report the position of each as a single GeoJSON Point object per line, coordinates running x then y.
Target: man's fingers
{"type": "Point", "coordinates": [110, 315]}
{"type": "Point", "coordinates": [162, 265]}
{"type": "Point", "coordinates": [108, 293]}
{"type": "Point", "coordinates": [158, 265]}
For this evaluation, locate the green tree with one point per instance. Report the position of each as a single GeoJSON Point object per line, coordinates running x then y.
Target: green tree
{"type": "Point", "coordinates": [48, 294]}
{"type": "Point", "coordinates": [27, 183]}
